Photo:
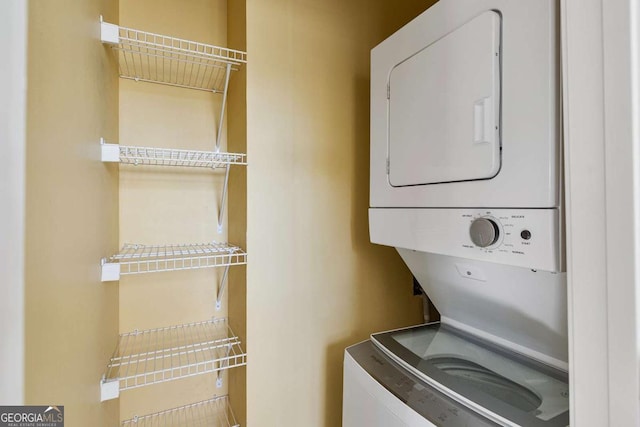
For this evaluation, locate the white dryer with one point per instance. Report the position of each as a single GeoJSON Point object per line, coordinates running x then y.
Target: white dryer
{"type": "Point", "coordinates": [465, 109]}
{"type": "Point", "coordinates": [465, 132]}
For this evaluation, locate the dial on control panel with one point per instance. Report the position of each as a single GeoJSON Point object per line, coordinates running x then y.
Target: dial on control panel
{"type": "Point", "coordinates": [484, 232]}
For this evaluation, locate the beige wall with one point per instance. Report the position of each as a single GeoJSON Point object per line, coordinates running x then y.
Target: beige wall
{"type": "Point", "coordinates": [237, 128]}
{"type": "Point", "coordinates": [72, 209]}
{"type": "Point", "coordinates": [165, 205]}
{"type": "Point", "coordinates": [314, 282]}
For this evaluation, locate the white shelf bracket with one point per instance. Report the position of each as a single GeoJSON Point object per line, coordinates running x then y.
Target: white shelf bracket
{"type": "Point", "coordinates": [109, 389]}
{"type": "Point", "coordinates": [109, 33]}
{"type": "Point", "coordinates": [223, 200]}
{"type": "Point", "coordinates": [109, 152]}
{"type": "Point", "coordinates": [219, 380]}
{"type": "Point", "coordinates": [222, 287]}
{"type": "Point", "coordinates": [110, 271]}
{"type": "Point", "coordinates": [223, 107]}
{"type": "Point", "coordinates": [222, 366]}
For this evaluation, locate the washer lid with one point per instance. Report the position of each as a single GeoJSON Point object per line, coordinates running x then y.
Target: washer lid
{"type": "Point", "coordinates": [502, 385]}
{"type": "Point", "coordinates": [444, 108]}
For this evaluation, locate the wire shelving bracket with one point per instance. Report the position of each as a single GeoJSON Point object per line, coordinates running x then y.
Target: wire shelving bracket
{"type": "Point", "coordinates": [154, 356]}
{"type": "Point", "coordinates": [140, 259]}
{"type": "Point", "coordinates": [222, 287]}
{"type": "Point", "coordinates": [214, 412]}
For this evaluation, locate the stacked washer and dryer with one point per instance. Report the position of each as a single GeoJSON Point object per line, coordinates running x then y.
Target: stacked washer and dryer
{"type": "Point", "coordinates": [466, 183]}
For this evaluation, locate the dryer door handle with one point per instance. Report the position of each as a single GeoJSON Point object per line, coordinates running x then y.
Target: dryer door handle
{"type": "Point", "coordinates": [482, 120]}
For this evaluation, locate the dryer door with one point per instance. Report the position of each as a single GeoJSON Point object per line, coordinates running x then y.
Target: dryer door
{"type": "Point", "coordinates": [444, 108]}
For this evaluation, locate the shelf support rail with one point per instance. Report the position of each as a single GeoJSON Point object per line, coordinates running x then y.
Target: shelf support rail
{"type": "Point", "coordinates": [223, 107]}
{"type": "Point", "coordinates": [218, 140]}
{"type": "Point", "coordinates": [222, 287]}
{"type": "Point", "coordinates": [224, 364]}
{"type": "Point", "coordinates": [223, 199]}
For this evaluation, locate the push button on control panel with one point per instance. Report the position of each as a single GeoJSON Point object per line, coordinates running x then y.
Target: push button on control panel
{"type": "Point", "coordinates": [525, 234]}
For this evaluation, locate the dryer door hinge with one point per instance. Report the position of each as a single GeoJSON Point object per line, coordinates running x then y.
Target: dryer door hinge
{"type": "Point", "coordinates": [387, 166]}
{"type": "Point", "coordinates": [388, 91]}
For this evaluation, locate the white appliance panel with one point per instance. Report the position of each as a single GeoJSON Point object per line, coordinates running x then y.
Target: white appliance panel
{"type": "Point", "coordinates": [513, 307]}
{"type": "Point", "coordinates": [506, 387]}
{"type": "Point", "coordinates": [529, 167]}
{"type": "Point", "coordinates": [447, 232]}
{"type": "Point", "coordinates": [552, 392]}
{"type": "Point", "coordinates": [366, 403]}
{"type": "Point", "coordinates": [444, 108]}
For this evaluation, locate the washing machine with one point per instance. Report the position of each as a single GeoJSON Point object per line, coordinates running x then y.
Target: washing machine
{"type": "Point", "coordinates": [497, 357]}
{"type": "Point", "coordinates": [435, 375]}
{"type": "Point", "coordinates": [466, 183]}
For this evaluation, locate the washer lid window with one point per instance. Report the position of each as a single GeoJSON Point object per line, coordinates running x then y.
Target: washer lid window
{"type": "Point", "coordinates": [501, 385]}
{"type": "Point", "coordinates": [444, 108]}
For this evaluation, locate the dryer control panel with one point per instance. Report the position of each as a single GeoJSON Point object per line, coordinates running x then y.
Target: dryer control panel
{"type": "Point", "coordinates": [519, 237]}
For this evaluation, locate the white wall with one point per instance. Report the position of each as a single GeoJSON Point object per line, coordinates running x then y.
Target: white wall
{"type": "Point", "coordinates": [622, 164]}
{"type": "Point", "coordinates": [602, 149]}
{"type": "Point", "coordinates": [13, 33]}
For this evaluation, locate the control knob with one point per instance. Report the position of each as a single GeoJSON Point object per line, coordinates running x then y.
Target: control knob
{"type": "Point", "coordinates": [484, 232]}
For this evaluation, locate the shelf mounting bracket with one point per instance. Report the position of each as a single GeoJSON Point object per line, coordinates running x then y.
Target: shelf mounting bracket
{"type": "Point", "coordinates": [109, 33]}
{"type": "Point", "coordinates": [223, 199]}
{"type": "Point", "coordinates": [222, 366]}
{"type": "Point", "coordinates": [222, 287]}
{"type": "Point", "coordinates": [218, 141]}
{"type": "Point", "coordinates": [109, 152]}
{"type": "Point", "coordinates": [223, 107]}
{"type": "Point", "coordinates": [219, 380]}
{"type": "Point", "coordinates": [109, 389]}
{"type": "Point", "coordinates": [110, 271]}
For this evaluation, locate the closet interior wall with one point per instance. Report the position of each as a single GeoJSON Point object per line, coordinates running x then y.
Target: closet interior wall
{"type": "Point", "coordinates": [315, 284]}
{"type": "Point", "coordinates": [170, 205]}
{"type": "Point", "coordinates": [237, 137]}
{"type": "Point", "coordinates": [71, 209]}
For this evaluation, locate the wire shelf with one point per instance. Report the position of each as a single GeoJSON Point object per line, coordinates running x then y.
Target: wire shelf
{"type": "Point", "coordinates": [154, 356]}
{"type": "Point", "coordinates": [157, 58]}
{"type": "Point", "coordinates": [139, 259]}
{"type": "Point", "coordinates": [170, 157]}
{"type": "Point", "coordinates": [215, 412]}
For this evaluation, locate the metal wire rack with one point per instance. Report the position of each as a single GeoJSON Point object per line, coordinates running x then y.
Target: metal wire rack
{"type": "Point", "coordinates": [214, 412]}
{"type": "Point", "coordinates": [169, 157]}
{"type": "Point", "coordinates": [176, 157]}
{"type": "Point", "coordinates": [139, 259]}
{"type": "Point", "coordinates": [154, 356]}
{"type": "Point", "coordinates": [157, 58]}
